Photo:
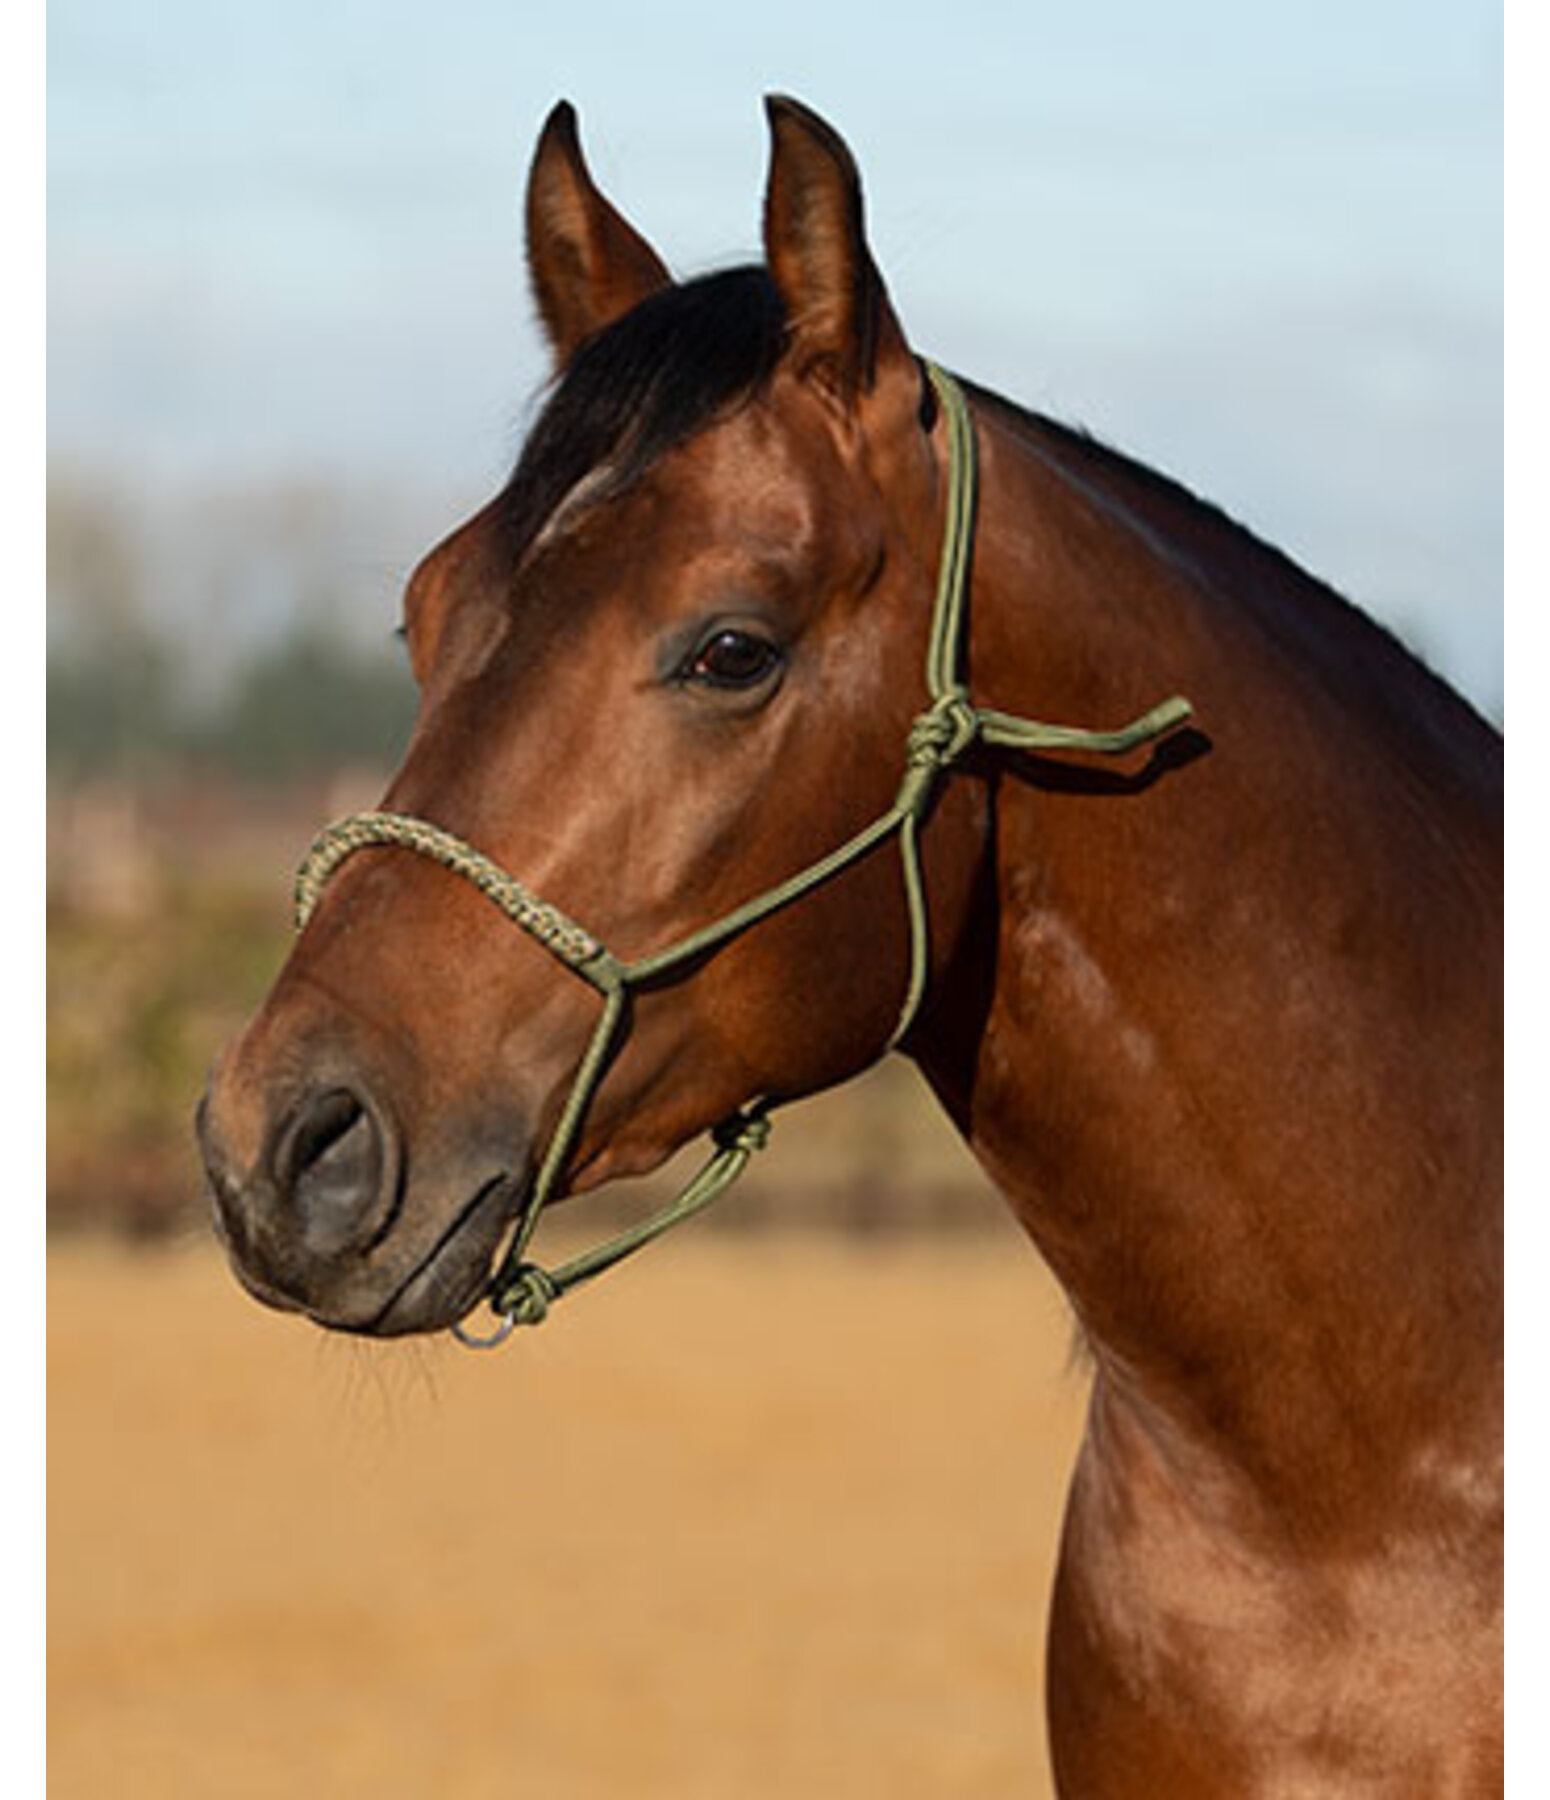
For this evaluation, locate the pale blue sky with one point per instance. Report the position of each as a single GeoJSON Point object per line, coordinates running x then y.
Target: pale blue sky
{"type": "Point", "coordinates": [1258, 246]}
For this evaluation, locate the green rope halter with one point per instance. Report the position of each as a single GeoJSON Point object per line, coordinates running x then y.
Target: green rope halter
{"type": "Point", "coordinates": [521, 1291]}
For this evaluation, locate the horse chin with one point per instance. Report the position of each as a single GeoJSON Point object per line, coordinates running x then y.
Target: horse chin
{"type": "Point", "coordinates": [450, 1276]}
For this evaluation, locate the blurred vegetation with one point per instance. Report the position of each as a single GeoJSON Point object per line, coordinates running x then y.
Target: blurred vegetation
{"type": "Point", "coordinates": [128, 695]}
{"type": "Point", "coordinates": [181, 796]}
{"type": "Point", "coordinates": [116, 708]}
{"type": "Point", "coordinates": [307, 703]}
{"type": "Point", "coordinates": [137, 1003]}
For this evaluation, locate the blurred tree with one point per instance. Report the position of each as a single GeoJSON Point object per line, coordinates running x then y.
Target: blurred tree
{"type": "Point", "coordinates": [109, 687]}
{"type": "Point", "coordinates": [310, 702]}
{"type": "Point", "coordinates": [95, 561]}
{"type": "Point", "coordinates": [122, 698]}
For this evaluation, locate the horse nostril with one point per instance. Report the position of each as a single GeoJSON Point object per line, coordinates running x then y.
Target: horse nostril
{"type": "Point", "coordinates": [315, 1128]}
{"type": "Point", "coordinates": [330, 1163]}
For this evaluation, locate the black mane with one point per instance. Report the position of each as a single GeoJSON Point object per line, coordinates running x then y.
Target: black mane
{"type": "Point", "coordinates": [681, 359]}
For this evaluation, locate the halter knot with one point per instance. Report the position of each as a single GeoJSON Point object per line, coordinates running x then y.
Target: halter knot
{"type": "Point", "coordinates": [938, 737]}
{"type": "Point", "coordinates": [942, 733]}
{"type": "Point", "coordinates": [745, 1131]}
{"type": "Point", "coordinates": [526, 1294]}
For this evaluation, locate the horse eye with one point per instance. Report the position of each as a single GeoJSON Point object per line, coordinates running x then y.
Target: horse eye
{"type": "Point", "coordinates": [732, 659]}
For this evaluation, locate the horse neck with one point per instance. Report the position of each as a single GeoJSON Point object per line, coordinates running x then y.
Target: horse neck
{"type": "Point", "coordinates": [1227, 1035]}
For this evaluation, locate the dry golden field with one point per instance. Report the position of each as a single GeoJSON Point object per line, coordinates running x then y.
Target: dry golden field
{"type": "Point", "coordinates": [765, 1515]}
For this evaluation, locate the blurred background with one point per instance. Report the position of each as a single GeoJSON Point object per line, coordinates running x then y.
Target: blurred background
{"type": "Point", "coordinates": [289, 346]}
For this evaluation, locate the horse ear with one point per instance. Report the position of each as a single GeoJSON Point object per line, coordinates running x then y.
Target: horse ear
{"type": "Point", "coordinates": [588, 265]}
{"type": "Point", "coordinates": [842, 326]}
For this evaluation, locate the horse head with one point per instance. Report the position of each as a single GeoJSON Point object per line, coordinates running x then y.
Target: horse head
{"type": "Point", "coordinates": [671, 663]}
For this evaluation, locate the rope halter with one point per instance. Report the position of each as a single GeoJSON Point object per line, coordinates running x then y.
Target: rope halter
{"type": "Point", "coordinates": [521, 1292]}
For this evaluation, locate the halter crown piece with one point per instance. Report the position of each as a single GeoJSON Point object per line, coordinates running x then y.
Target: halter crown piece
{"type": "Point", "coordinates": [521, 1292]}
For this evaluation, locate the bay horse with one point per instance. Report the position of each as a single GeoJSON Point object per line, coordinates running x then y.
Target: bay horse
{"type": "Point", "coordinates": [1221, 1018]}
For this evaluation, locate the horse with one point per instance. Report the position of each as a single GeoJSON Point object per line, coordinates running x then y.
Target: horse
{"type": "Point", "coordinates": [1215, 1001]}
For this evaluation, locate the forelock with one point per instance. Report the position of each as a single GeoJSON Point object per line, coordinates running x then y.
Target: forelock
{"type": "Point", "coordinates": [686, 357]}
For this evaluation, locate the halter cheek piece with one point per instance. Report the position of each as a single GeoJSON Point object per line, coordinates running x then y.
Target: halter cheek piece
{"type": "Point", "coordinates": [522, 1292]}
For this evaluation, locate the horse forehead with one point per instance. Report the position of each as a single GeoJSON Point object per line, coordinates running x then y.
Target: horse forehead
{"type": "Point", "coordinates": [753, 484]}
{"type": "Point", "coordinates": [765, 483]}
{"type": "Point", "coordinates": [766, 475]}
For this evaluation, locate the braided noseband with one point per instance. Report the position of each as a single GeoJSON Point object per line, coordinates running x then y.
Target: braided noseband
{"type": "Point", "coordinates": [521, 1292]}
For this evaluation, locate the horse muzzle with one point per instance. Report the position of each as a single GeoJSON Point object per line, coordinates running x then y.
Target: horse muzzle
{"type": "Point", "coordinates": [312, 1195]}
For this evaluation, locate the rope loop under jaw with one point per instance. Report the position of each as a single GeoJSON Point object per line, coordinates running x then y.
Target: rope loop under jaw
{"type": "Point", "coordinates": [521, 1292]}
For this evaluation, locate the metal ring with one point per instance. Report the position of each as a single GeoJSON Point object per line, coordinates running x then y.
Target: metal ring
{"type": "Point", "coordinates": [471, 1340]}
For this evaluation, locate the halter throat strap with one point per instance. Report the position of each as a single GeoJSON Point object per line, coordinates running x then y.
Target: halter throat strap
{"type": "Point", "coordinates": [522, 1292]}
